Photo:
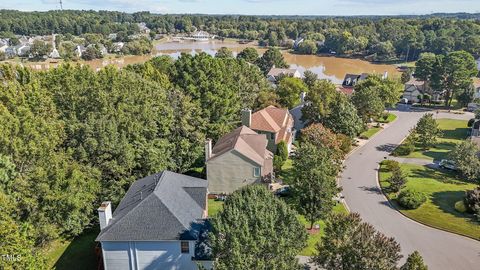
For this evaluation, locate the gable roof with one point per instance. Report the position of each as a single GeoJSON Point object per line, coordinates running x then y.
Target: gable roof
{"type": "Point", "coordinates": [274, 72]}
{"type": "Point", "coordinates": [273, 119]}
{"type": "Point", "coordinates": [351, 79]}
{"type": "Point", "coordinates": [163, 206]}
{"type": "Point", "coordinates": [246, 142]}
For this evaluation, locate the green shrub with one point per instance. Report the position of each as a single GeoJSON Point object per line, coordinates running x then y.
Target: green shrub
{"type": "Point", "coordinates": [397, 180]}
{"type": "Point", "coordinates": [390, 165]}
{"type": "Point", "coordinates": [472, 201]}
{"type": "Point", "coordinates": [410, 199]}
{"type": "Point", "coordinates": [460, 207]}
{"type": "Point", "coordinates": [471, 122]}
{"type": "Point", "coordinates": [405, 148]}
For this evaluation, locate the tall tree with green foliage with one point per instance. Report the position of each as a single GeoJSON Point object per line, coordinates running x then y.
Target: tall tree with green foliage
{"type": "Point", "coordinates": [319, 101]}
{"type": "Point", "coordinates": [425, 67]}
{"type": "Point", "coordinates": [343, 118]}
{"type": "Point", "coordinates": [272, 57]}
{"type": "Point", "coordinates": [310, 78]}
{"type": "Point", "coordinates": [397, 180]}
{"type": "Point", "coordinates": [221, 87]}
{"type": "Point", "coordinates": [349, 243]}
{"type": "Point", "coordinates": [289, 90]}
{"type": "Point", "coordinates": [224, 52]}
{"type": "Point", "coordinates": [368, 103]}
{"type": "Point", "coordinates": [256, 230]}
{"type": "Point", "coordinates": [458, 69]}
{"type": "Point", "coordinates": [322, 137]}
{"type": "Point", "coordinates": [314, 185]}
{"type": "Point", "coordinates": [414, 262]}
{"type": "Point", "coordinates": [465, 157]}
{"type": "Point", "coordinates": [16, 240]}
{"type": "Point", "coordinates": [427, 131]}
{"type": "Point", "coordinates": [248, 54]}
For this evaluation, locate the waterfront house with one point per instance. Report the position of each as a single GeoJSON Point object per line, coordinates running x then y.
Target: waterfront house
{"type": "Point", "coordinates": [351, 80]}
{"type": "Point", "coordinates": [275, 72]}
{"type": "Point", "coordinates": [238, 159]}
{"type": "Point", "coordinates": [276, 123]}
{"type": "Point", "coordinates": [156, 224]}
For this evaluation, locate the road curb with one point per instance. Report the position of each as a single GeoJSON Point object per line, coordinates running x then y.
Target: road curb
{"type": "Point", "coordinates": [377, 176]}
{"type": "Point", "coordinates": [354, 150]}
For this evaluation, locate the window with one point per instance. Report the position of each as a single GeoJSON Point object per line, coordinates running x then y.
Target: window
{"type": "Point", "coordinates": [272, 136]}
{"type": "Point", "coordinates": [184, 247]}
{"type": "Point", "coordinates": [256, 172]}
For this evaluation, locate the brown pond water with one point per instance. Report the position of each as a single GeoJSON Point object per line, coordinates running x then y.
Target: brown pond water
{"type": "Point", "coordinates": [333, 68]}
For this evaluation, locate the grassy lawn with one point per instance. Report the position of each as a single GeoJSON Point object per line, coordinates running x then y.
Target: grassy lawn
{"type": "Point", "coordinates": [287, 173]}
{"type": "Point", "coordinates": [369, 133]}
{"type": "Point", "coordinates": [313, 239]}
{"type": "Point", "coordinates": [391, 117]}
{"type": "Point", "coordinates": [214, 207]}
{"type": "Point", "coordinates": [454, 131]}
{"type": "Point", "coordinates": [76, 254]}
{"type": "Point", "coordinates": [443, 190]}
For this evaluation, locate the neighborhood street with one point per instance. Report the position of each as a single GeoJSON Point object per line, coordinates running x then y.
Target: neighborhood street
{"type": "Point", "coordinates": [440, 250]}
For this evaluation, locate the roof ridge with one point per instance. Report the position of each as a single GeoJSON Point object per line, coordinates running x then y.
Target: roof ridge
{"type": "Point", "coordinates": [111, 225]}
{"type": "Point", "coordinates": [106, 229]}
{"type": "Point", "coordinates": [269, 119]}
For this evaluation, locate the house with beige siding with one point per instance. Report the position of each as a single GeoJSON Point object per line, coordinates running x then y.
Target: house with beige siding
{"type": "Point", "coordinates": [238, 159]}
{"type": "Point", "coordinates": [276, 123]}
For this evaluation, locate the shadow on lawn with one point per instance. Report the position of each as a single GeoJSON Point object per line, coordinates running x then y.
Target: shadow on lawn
{"type": "Point", "coordinates": [446, 200]}
{"type": "Point", "coordinates": [458, 133]}
{"type": "Point", "coordinates": [440, 151]}
{"type": "Point", "coordinates": [80, 253]}
{"type": "Point", "coordinates": [440, 176]}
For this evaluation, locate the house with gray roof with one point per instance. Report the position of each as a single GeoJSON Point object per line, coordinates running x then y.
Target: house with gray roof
{"type": "Point", "coordinates": [238, 159]}
{"type": "Point", "coordinates": [156, 225]}
{"type": "Point", "coordinates": [275, 72]}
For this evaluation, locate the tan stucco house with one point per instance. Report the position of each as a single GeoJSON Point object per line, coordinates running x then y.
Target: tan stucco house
{"type": "Point", "coordinates": [238, 159]}
{"type": "Point", "coordinates": [276, 123]}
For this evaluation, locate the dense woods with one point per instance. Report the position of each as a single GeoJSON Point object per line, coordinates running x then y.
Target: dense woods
{"type": "Point", "coordinates": [72, 137]}
{"type": "Point", "coordinates": [379, 38]}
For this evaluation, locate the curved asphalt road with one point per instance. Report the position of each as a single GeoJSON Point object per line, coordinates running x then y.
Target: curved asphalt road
{"type": "Point", "coordinates": [440, 250]}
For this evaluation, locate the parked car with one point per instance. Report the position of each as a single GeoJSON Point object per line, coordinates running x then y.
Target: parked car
{"type": "Point", "coordinates": [447, 164]}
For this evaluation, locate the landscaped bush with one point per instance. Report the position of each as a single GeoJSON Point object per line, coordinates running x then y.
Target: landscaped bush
{"type": "Point", "coordinates": [460, 207]}
{"type": "Point", "coordinates": [410, 199]}
{"type": "Point", "coordinates": [471, 122]}
{"type": "Point", "coordinates": [390, 165]}
{"type": "Point", "coordinates": [472, 201]}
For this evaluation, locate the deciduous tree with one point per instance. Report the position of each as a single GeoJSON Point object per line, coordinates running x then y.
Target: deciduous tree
{"type": "Point", "coordinates": [350, 243]}
{"type": "Point", "coordinates": [256, 230]}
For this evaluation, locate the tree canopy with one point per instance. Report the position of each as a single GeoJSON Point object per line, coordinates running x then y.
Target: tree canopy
{"type": "Point", "coordinates": [256, 230]}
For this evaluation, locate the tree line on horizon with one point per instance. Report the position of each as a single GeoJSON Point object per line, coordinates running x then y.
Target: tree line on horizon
{"type": "Point", "coordinates": [378, 38]}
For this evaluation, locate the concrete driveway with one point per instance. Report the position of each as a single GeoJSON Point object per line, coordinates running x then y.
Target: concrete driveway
{"type": "Point", "coordinates": [440, 250]}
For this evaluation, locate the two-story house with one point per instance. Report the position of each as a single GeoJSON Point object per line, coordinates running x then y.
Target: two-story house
{"type": "Point", "coordinates": [156, 224]}
{"type": "Point", "coordinates": [238, 159]}
{"type": "Point", "coordinates": [275, 72]}
{"type": "Point", "coordinates": [276, 123]}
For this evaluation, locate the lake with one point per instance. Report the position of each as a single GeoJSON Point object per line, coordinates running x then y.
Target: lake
{"type": "Point", "coordinates": [333, 68]}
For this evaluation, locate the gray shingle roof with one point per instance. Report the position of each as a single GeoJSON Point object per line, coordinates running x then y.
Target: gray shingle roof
{"type": "Point", "coordinates": [163, 206]}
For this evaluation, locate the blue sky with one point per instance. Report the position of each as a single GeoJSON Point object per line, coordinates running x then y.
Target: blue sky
{"type": "Point", "coordinates": [257, 7]}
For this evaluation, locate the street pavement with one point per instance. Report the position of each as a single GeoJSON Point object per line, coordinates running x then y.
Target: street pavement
{"type": "Point", "coordinates": [441, 250]}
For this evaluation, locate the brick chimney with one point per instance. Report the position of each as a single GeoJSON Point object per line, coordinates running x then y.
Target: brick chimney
{"type": "Point", "coordinates": [247, 117]}
{"type": "Point", "coordinates": [105, 214]}
{"type": "Point", "coordinates": [208, 149]}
